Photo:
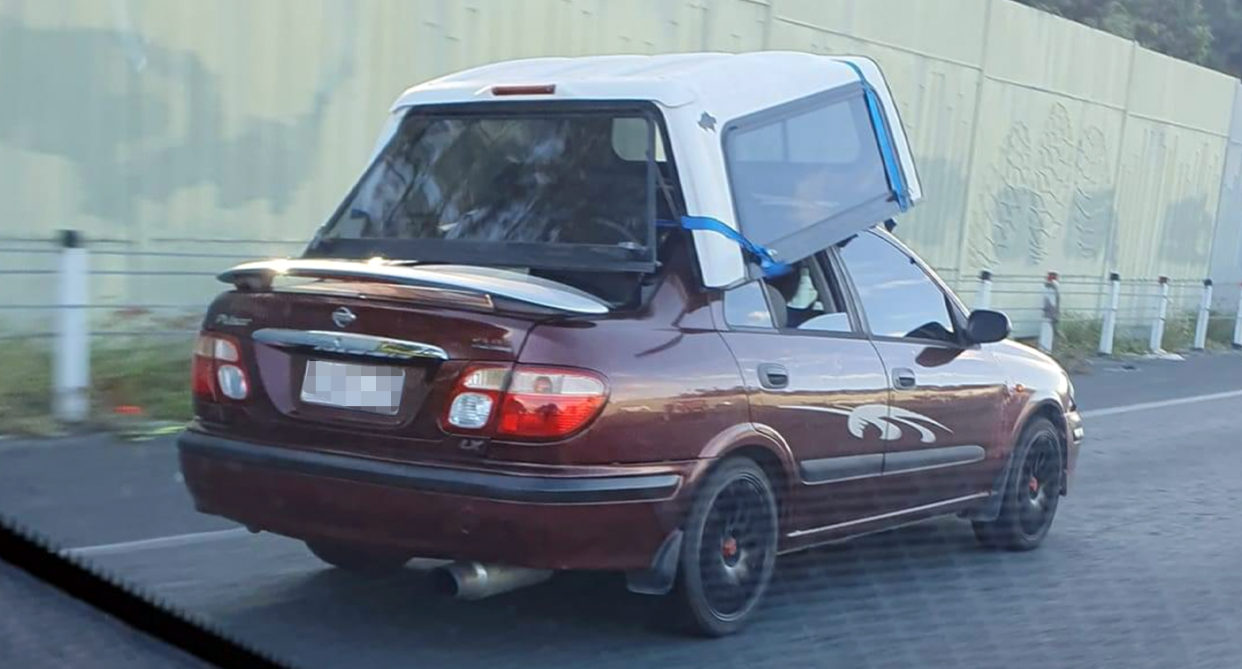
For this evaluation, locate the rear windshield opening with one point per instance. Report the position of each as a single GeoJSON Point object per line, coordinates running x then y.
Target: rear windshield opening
{"type": "Point", "coordinates": [568, 195]}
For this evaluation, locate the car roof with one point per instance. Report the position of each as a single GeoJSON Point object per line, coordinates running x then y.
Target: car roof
{"type": "Point", "coordinates": [731, 85]}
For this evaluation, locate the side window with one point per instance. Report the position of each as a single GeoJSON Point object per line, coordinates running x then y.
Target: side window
{"type": "Point", "coordinates": [630, 140]}
{"type": "Point", "coordinates": [765, 143]}
{"type": "Point", "coordinates": [746, 306]}
{"type": "Point", "coordinates": [792, 171]}
{"type": "Point", "coordinates": [803, 300]}
{"type": "Point", "coordinates": [899, 298]}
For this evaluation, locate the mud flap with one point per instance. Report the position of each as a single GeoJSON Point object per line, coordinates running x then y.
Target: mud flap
{"type": "Point", "coordinates": [660, 577]}
{"type": "Point", "coordinates": [990, 509]}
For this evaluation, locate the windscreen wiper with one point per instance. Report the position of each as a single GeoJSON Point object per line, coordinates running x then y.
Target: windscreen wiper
{"type": "Point", "coordinates": [22, 549]}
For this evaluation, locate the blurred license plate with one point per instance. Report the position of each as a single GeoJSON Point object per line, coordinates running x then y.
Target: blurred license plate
{"type": "Point", "coordinates": [349, 386]}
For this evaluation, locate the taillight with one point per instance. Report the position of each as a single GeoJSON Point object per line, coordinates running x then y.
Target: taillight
{"type": "Point", "coordinates": [546, 403]}
{"type": "Point", "coordinates": [217, 372]}
{"type": "Point", "coordinates": [475, 398]}
{"type": "Point", "coordinates": [536, 403]}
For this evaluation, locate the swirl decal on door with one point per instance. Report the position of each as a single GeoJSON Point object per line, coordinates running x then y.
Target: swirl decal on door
{"type": "Point", "coordinates": [890, 421]}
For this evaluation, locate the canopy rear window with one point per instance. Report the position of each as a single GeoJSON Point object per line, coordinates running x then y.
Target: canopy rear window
{"type": "Point", "coordinates": [491, 185]}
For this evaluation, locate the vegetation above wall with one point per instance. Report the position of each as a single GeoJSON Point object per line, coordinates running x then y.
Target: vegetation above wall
{"type": "Point", "coordinates": [1207, 32]}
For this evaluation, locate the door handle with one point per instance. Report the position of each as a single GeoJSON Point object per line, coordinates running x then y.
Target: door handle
{"type": "Point", "coordinates": [904, 379]}
{"type": "Point", "coordinates": [772, 375]}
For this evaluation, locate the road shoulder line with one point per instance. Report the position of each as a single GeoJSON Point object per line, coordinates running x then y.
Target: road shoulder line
{"type": "Point", "coordinates": [157, 542]}
{"type": "Point", "coordinates": [1147, 406]}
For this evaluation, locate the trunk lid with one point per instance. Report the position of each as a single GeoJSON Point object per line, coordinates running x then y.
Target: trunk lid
{"type": "Point", "coordinates": [308, 347]}
{"type": "Point", "coordinates": [457, 325]}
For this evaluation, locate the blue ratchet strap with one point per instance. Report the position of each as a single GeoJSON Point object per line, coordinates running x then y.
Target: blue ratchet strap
{"type": "Point", "coordinates": [891, 167]}
{"type": "Point", "coordinates": [767, 262]}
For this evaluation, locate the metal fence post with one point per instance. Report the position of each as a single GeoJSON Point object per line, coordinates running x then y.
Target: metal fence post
{"type": "Point", "coordinates": [1205, 314]}
{"type": "Point", "coordinates": [1162, 314]}
{"type": "Point", "coordinates": [1237, 325]}
{"type": "Point", "coordinates": [1052, 309]}
{"type": "Point", "coordinates": [71, 359]}
{"type": "Point", "coordinates": [983, 298]}
{"type": "Point", "coordinates": [1108, 331]}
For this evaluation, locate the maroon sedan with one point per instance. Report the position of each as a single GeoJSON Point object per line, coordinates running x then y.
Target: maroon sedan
{"type": "Point", "coordinates": [523, 345]}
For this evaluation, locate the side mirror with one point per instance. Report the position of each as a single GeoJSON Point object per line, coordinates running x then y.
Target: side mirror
{"type": "Point", "coordinates": [986, 327]}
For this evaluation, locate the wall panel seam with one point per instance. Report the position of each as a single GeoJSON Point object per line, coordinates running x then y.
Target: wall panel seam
{"type": "Point", "coordinates": [887, 45]}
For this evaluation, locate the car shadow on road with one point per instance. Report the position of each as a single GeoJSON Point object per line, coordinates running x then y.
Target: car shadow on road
{"type": "Point", "coordinates": [827, 593]}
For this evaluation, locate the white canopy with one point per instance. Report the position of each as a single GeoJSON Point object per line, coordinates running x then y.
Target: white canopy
{"type": "Point", "coordinates": [703, 96]}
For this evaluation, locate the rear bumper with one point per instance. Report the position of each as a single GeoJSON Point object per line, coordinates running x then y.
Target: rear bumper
{"type": "Point", "coordinates": [559, 518]}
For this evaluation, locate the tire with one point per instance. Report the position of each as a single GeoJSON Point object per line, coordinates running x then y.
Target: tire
{"type": "Point", "coordinates": [358, 559]}
{"type": "Point", "coordinates": [1031, 494]}
{"type": "Point", "coordinates": [729, 551]}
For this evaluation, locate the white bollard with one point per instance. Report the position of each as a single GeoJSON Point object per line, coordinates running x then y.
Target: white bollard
{"type": "Point", "coordinates": [1162, 314]}
{"type": "Point", "coordinates": [1052, 309]}
{"type": "Point", "coordinates": [1205, 315]}
{"type": "Point", "coordinates": [1237, 325]}
{"type": "Point", "coordinates": [71, 359]}
{"type": "Point", "coordinates": [983, 298]}
{"type": "Point", "coordinates": [1108, 332]}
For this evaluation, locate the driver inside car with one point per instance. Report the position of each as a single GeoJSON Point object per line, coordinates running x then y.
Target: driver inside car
{"type": "Point", "coordinates": [794, 290]}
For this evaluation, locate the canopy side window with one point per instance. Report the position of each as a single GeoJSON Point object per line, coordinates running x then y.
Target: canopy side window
{"type": "Point", "coordinates": [808, 174]}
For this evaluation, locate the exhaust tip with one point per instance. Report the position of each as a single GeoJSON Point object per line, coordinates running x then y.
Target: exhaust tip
{"type": "Point", "coordinates": [444, 582]}
{"type": "Point", "coordinates": [473, 580]}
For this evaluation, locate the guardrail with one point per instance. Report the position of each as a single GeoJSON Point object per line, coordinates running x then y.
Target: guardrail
{"type": "Point", "coordinates": [78, 301]}
{"type": "Point", "coordinates": [1138, 310]}
{"type": "Point", "coordinates": [1151, 304]}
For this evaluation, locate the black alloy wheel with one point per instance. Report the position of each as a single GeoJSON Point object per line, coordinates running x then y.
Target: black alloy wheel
{"type": "Point", "coordinates": [1041, 474]}
{"type": "Point", "coordinates": [1031, 494]}
{"type": "Point", "coordinates": [729, 551]}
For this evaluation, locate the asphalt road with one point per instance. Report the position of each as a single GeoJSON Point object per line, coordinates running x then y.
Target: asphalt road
{"type": "Point", "coordinates": [1142, 568]}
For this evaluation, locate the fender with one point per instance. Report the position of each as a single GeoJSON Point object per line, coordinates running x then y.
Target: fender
{"type": "Point", "coordinates": [1033, 405]}
{"type": "Point", "coordinates": [990, 509]}
{"type": "Point", "coordinates": [755, 435]}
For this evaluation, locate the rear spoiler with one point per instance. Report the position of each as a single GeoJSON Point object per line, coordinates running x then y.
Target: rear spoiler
{"type": "Point", "coordinates": [482, 280]}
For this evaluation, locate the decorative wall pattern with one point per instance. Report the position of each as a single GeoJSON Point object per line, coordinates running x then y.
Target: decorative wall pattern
{"type": "Point", "coordinates": [1048, 197]}
{"type": "Point", "coordinates": [155, 126]}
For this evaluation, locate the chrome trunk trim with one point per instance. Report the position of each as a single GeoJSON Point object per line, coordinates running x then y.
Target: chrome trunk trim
{"type": "Point", "coordinates": [345, 343]}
